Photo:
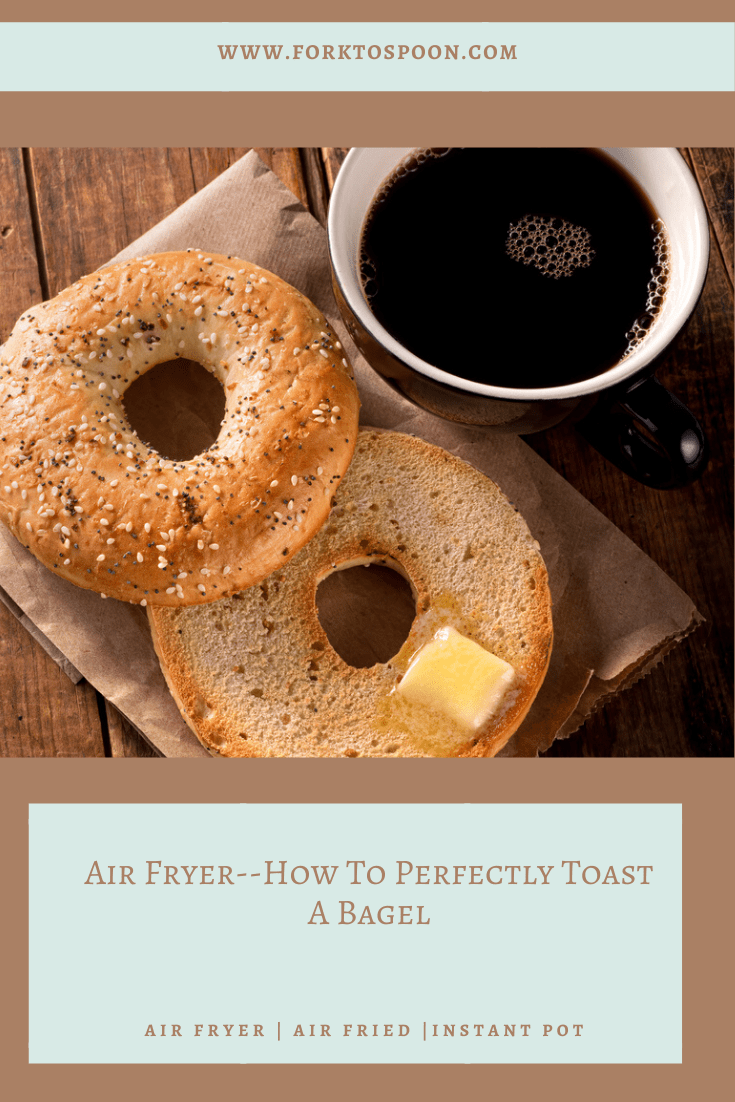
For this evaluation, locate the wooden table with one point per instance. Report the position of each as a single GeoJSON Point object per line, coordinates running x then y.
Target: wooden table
{"type": "Point", "coordinates": [65, 212]}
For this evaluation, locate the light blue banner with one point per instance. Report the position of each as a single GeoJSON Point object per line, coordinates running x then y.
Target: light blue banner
{"type": "Point", "coordinates": [332, 57]}
{"type": "Point", "coordinates": [355, 934]}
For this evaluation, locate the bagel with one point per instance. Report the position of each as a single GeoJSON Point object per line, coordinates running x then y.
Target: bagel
{"type": "Point", "coordinates": [256, 675]}
{"type": "Point", "coordinates": [101, 508]}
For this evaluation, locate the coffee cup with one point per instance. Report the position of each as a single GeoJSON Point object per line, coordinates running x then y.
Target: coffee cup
{"type": "Point", "coordinates": [623, 410]}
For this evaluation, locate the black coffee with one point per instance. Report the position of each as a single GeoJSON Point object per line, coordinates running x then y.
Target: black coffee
{"type": "Point", "coordinates": [515, 267]}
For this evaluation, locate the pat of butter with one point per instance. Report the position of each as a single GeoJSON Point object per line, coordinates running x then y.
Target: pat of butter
{"type": "Point", "coordinates": [454, 675]}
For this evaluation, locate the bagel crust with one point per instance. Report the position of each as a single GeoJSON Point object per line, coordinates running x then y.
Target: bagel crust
{"type": "Point", "coordinates": [97, 505]}
{"type": "Point", "coordinates": [256, 676]}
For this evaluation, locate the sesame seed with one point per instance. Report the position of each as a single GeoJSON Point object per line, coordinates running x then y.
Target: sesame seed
{"type": "Point", "coordinates": [139, 557]}
{"type": "Point", "coordinates": [160, 547]}
{"type": "Point", "coordinates": [146, 526]}
{"type": "Point", "coordinates": [183, 574]}
{"type": "Point", "coordinates": [214, 547]}
{"type": "Point", "coordinates": [100, 558]}
{"type": "Point", "coordinates": [144, 602]}
{"type": "Point", "coordinates": [171, 589]}
{"type": "Point", "coordinates": [335, 409]}
{"type": "Point", "coordinates": [226, 570]}
{"type": "Point", "coordinates": [201, 588]}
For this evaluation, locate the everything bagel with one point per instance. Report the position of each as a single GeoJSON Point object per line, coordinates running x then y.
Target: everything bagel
{"type": "Point", "coordinates": [100, 507]}
{"type": "Point", "coordinates": [256, 675]}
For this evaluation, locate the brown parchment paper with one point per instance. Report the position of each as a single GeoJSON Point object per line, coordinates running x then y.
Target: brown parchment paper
{"type": "Point", "coordinates": [616, 614]}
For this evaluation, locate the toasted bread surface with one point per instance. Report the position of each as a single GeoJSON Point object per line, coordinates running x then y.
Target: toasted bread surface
{"type": "Point", "coordinates": [255, 675]}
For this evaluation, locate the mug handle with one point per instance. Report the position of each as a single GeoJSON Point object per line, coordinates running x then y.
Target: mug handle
{"type": "Point", "coordinates": [649, 434]}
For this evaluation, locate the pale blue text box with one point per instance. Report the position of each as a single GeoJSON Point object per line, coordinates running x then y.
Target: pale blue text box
{"type": "Point", "coordinates": [108, 961]}
{"type": "Point", "coordinates": [533, 57]}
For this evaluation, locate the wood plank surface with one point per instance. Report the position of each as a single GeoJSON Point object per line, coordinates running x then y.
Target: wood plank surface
{"type": "Point", "coordinates": [65, 212]}
{"type": "Point", "coordinates": [42, 714]}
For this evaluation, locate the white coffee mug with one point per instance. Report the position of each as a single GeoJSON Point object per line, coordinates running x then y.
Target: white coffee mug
{"type": "Point", "coordinates": [670, 450]}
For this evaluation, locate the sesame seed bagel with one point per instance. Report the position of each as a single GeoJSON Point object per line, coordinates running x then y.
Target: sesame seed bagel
{"type": "Point", "coordinates": [100, 507]}
{"type": "Point", "coordinates": [256, 676]}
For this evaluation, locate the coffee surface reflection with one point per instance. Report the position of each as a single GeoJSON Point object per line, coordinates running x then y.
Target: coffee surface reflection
{"type": "Point", "coordinates": [519, 268]}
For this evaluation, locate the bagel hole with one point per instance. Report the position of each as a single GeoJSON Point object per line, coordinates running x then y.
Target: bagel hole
{"type": "Point", "coordinates": [177, 408]}
{"type": "Point", "coordinates": [366, 612]}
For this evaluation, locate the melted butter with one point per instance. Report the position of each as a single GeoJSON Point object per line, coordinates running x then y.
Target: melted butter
{"type": "Point", "coordinates": [456, 676]}
{"type": "Point", "coordinates": [400, 723]}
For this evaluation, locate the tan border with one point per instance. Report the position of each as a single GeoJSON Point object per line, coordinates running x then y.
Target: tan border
{"type": "Point", "coordinates": [705, 788]}
{"type": "Point", "coordinates": [504, 11]}
{"type": "Point", "coordinates": [365, 118]}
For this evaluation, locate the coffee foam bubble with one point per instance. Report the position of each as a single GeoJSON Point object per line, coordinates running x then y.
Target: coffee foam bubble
{"type": "Point", "coordinates": [657, 285]}
{"type": "Point", "coordinates": [555, 247]}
